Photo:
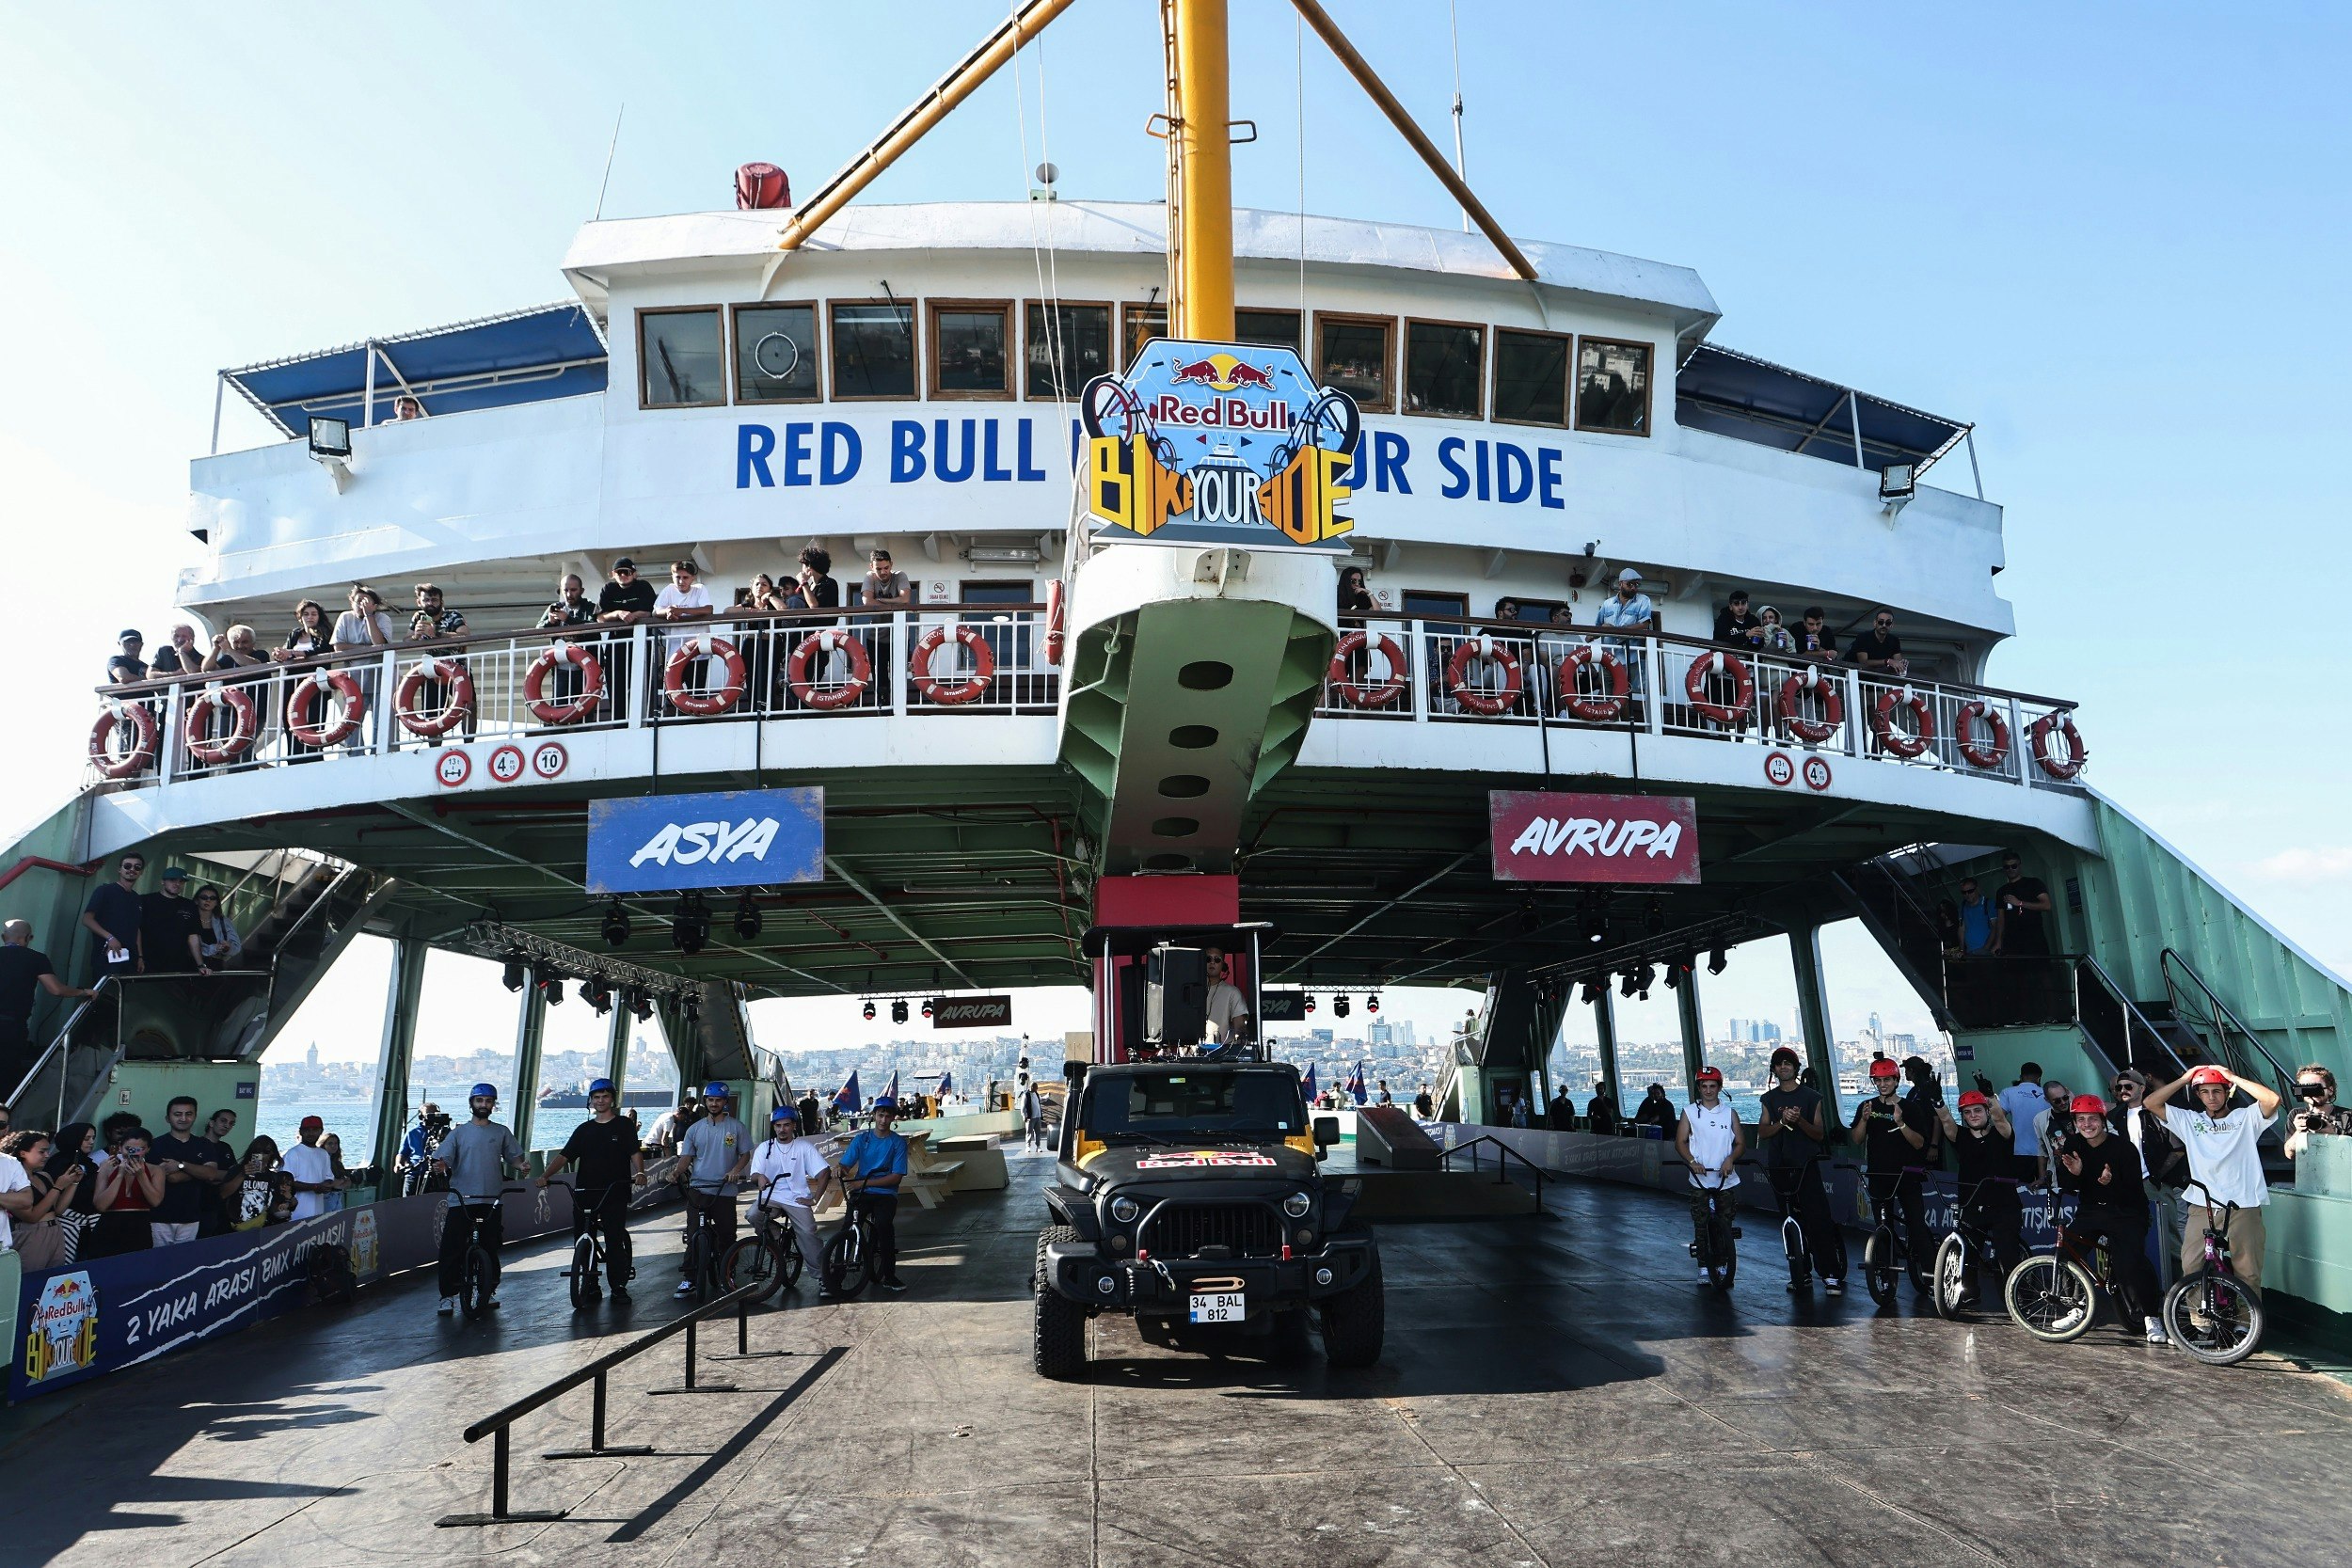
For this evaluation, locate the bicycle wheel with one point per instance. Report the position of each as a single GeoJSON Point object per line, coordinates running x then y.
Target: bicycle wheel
{"type": "Point", "coordinates": [586, 1289]}
{"type": "Point", "coordinates": [478, 1282]}
{"type": "Point", "coordinates": [845, 1263]}
{"type": "Point", "coordinates": [2052, 1298]}
{"type": "Point", "coordinates": [1950, 1279]}
{"type": "Point", "coordinates": [787, 1255]}
{"type": "Point", "coordinates": [1880, 1268]}
{"type": "Point", "coordinates": [1723, 1260]}
{"type": "Point", "coordinates": [2213, 1317]}
{"type": "Point", "coordinates": [751, 1261]}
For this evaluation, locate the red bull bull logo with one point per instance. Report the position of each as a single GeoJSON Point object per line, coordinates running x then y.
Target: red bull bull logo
{"type": "Point", "coordinates": [1223, 373]}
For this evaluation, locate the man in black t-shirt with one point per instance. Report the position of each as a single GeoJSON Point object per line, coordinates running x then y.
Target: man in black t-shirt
{"type": "Point", "coordinates": [189, 1175]}
{"type": "Point", "coordinates": [168, 921]}
{"type": "Point", "coordinates": [1984, 1156]}
{"type": "Point", "coordinates": [1600, 1114]}
{"type": "Point", "coordinates": [2023, 901]}
{"type": "Point", "coordinates": [1879, 650]}
{"type": "Point", "coordinates": [1790, 1142]}
{"type": "Point", "coordinates": [2106, 1172]}
{"type": "Point", "coordinates": [25, 973]}
{"type": "Point", "coordinates": [1735, 628]}
{"type": "Point", "coordinates": [1895, 1139]}
{"type": "Point", "coordinates": [605, 1149]}
{"type": "Point", "coordinates": [620, 605]}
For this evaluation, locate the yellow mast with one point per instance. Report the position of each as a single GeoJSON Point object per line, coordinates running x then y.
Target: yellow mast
{"type": "Point", "coordinates": [1200, 145]}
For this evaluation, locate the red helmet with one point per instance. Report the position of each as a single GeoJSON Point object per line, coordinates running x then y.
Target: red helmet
{"type": "Point", "coordinates": [1882, 1068]}
{"type": "Point", "coordinates": [1709, 1076]}
{"type": "Point", "coordinates": [2089, 1106]}
{"type": "Point", "coordinates": [1972, 1098]}
{"type": "Point", "coordinates": [2207, 1074]}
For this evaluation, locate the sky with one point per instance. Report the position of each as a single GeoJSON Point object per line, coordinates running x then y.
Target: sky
{"type": "Point", "coordinates": [2056, 222]}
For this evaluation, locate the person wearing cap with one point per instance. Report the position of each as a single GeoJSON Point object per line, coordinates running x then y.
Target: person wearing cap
{"type": "Point", "coordinates": [168, 925]}
{"type": "Point", "coordinates": [1709, 1138]}
{"type": "Point", "coordinates": [792, 1175]}
{"type": "Point", "coordinates": [2105, 1174]}
{"type": "Point", "coordinates": [311, 1167]}
{"type": "Point", "coordinates": [126, 668]}
{"type": "Point", "coordinates": [872, 1168]}
{"type": "Point", "coordinates": [2222, 1154]}
{"type": "Point", "coordinates": [1984, 1156]}
{"type": "Point", "coordinates": [1893, 1136]}
{"type": "Point", "coordinates": [2160, 1156]}
{"type": "Point", "coordinates": [621, 603]}
{"type": "Point", "coordinates": [476, 1156]}
{"type": "Point", "coordinates": [713, 1155]}
{"type": "Point", "coordinates": [1628, 609]}
{"type": "Point", "coordinates": [1790, 1138]}
{"type": "Point", "coordinates": [605, 1148]}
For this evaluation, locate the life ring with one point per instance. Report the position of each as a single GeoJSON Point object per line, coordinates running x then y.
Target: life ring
{"type": "Point", "coordinates": [952, 694]}
{"type": "Point", "coordinates": [1593, 710]}
{"type": "Point", "coordinates": [861, 670]}
{"type": "Point", "coordinates": [1892, 741]}
{"type": "Point", "coordinates": [1813, 732]}
{"type": "Point", "coordinates": [1055, 634]}
{"type": "Point", "coordinates": [305, 723]}
{"type": "Point", "coordinates": [548, 711]}
{"type": "Point", "coordinates": [1964, 735]}
{"type": "Point", "coordinates": [2039, 732]}
{"type": "Point", "coordinates": [1364, 693]}
{"type": "Point", "coordinates": [199, 719]}
{"type": "Point", "coordinates": [1732, 714]}
{"type": "Point", "coordinates": [1492, 704]}
{"type": "Point", "coordinates": [108, 729]}
{"type": "Point", "coordinates": [703, 703]}
{"type": "Point", "coordinates": [449, 671]}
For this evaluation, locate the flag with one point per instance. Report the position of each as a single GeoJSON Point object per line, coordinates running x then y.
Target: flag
{"type": "Point", "coordinates": [891, 1092]}
{"type": "Point", "coordinates": [1355, 1083]}
{"type": "Point", "coordinates": [844, 1098]}
{"type": "Point", "coordinates": [1308, 1084]}
{"type": "Point", "coordinates": [947, 1085]}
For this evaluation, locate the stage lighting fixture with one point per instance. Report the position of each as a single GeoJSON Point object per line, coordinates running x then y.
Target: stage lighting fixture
{"type": "Point", "coordinates": [690, 928]}
{"type": "Point", "coordinates": [1654, 918]}
{"type": "Point", "coordinates": [641, 1004]}
{"type": "Point", "coordinates": [746, 917]}
{"type": "Point", "coordinates": [516, 974]}
{"type": "Point", "coordinates": [898, 1010]}
{"type": "Point", "coordinates": [1338, 1006]}
{"type": "Point", "coordinates": [1716, 962]}
{"type": "Point", "coordinates": [869, 1012]}
{"type": "Point", "coordinates": [615, 924]}
{"type": "Point", "coordinates": [1372, 1003]}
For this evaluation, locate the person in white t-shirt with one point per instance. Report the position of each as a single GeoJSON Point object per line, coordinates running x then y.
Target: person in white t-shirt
{"type": "Point", "coordinates": [1227, 1009]}
{"type": "Point", "coordinates": [313, 1170]}
{"type": "Point", "coordinates": [684, 599]}
{"type": "Point", "coordinates": [16, 1194]}
{"type": "Point", "coordinates": [2222, 1154]}
{"type": "Point", "coordinates": [1708, 1137]}
{"type": "Point", "coordinates": [792, 1175]}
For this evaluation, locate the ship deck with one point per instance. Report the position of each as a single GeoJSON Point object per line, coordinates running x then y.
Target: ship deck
{"type": "Point", "coordinates": [1554, 1392]}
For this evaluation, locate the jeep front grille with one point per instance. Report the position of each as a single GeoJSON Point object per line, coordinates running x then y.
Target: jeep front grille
{"type": "Point", "coordinates": [1184, 1229]}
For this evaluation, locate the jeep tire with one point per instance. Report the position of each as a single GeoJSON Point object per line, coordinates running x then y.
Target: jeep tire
{"type": "Point", "coordinates": [1355, 1320]}
{"type": "Point", "coordinates": [1059, 1324]}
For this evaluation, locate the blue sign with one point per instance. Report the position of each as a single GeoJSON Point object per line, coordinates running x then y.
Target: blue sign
{"type": "Point", "coordinates": [742, 838]}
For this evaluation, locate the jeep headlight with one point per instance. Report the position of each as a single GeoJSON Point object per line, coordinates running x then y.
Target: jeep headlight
{"type": "Point", "coordinates": [1124, 1209]}
{"type": "Point", "coordinates": [1296, 1205]}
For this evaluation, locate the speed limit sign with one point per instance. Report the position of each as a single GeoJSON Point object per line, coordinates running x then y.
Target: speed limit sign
{"type": "Point", "coordinates": [506, 764]}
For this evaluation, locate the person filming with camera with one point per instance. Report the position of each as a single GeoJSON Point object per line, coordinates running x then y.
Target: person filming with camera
{"type": "Point", "coordinates": [2316, 1114]}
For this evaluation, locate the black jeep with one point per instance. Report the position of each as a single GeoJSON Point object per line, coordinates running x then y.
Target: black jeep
{"type": "Point", "coordinates": [1187, 1196]}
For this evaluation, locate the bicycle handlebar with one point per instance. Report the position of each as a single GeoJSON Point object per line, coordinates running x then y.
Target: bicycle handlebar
{"type": "Point", "coordinates": [2209, 1205]}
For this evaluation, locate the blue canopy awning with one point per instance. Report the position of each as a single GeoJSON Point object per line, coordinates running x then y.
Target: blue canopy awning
{"type": "Point", "coordinates": [550, 351]}
{"type": "Point", "coordinates": [1735, 394]}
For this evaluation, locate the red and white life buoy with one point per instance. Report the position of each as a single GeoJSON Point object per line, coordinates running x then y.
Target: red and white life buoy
{"type": "Point", "coordinates": [1605, 708]}
{"type": "Point", "coordinates": [1492, 704]}
{"type": "Point", "coordinates": [1811, 731]}
{"type": "Point", "coordinates": [305, 720]}
{"type": "Point", "coordinates": [1897, 742]}
{"type": "Point", "coordinates": [1730, 714]}
{"type": "Point", "coordinates": [703, 703]}
{"type": "Point", "coordinates": [450, 672]}
{"type": "Point", "coordinates": [108, 729]}
{"type": "Point", "coordinates": [972, 687]}
{"type": "Point", "coordinates": [245, 722]}
{"type": "Point", "coordinates": [1366, 693]}
{"type": "Point", "coordinates": [2062, 724]}
{"type": "Point", "coordinates": [1055, 634]}
{"type": "Point", "coordinates": [1964, 734]}
{"type": "Point", "coordinates": [861, 670]}
{"type": "Point", "coordinates": [548, 711]}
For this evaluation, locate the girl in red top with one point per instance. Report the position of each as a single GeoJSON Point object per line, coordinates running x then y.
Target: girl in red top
{"type": "Point", "coordinates": [128, 1190]}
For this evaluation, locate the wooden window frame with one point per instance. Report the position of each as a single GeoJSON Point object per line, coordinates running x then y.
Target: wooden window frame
{"type": "Point", "coordinates": [1297, 343]}
{"type": "Point", "coordinates": [1567, 380]}
{"type": "Point", "coordinates": [932, 307]}
{"type": "Point", "coordinates": [1129, 308]}
{"type": "Point", "coordinates": [1461, 614]}
{"type": "Point", "coordinates": [1351, 318]}
{"type": "Point", "coordinates": [1404, 366]}
{"type": "Point", "coordinates": [735, 313]}
{"type": "Point", "coordinates": [1110, 307]}
{"type": "Point", "coordinates": [727, 358]}
{"type": "Point", "coordinates": [1650, 385]}
{"type": "Point", "coordinates": [833, 361]}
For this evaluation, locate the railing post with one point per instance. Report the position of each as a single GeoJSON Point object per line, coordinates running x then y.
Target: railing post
{"type": "Point", "coordinates": [596, 1420]}
{"type": "Point", "coordinates": [901, 646]}
{"type": "Point", "coordinates": [1856, 728]}
{"type": "Point", "coordinates": [634, 701]}
{"type": "Point", "coordinates": [387, 691]}
{"type": "Point", "coordinates": [1653, 658]}
{"type": "Point", "coordinates": [168, 738]}
{"type": "Point", "coordinates": [1418, 640]}
{"type": "Point", "coordinates": [500, 1446]}
{"type": "Point", "coordinates": [2017, 742]}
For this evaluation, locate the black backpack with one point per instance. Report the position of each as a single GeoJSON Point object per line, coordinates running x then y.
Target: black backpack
{"type": "Point", "coordinates": [333, 1280]}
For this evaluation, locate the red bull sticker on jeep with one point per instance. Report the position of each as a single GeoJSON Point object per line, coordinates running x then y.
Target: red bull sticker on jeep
{"type": "Point", "coordinates": [1192, 1159]}
{"type": "Point", "coordinates": [1219, 444]}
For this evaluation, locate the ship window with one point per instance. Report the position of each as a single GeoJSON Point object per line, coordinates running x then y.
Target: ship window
{"type": "Point", "coordinates": [970, 356]}
{"type": "Point", "coordinates": [1274, 328]}
{"type": "Point", "coordinates": [1352, 354]}
{"type": "Point", "coordinates": [680, 364]}
{"type": "Point", "coordinates": [1138, 326]}
{"type": "Point", "coordinates": [873, 350]}
{"type": "Point", "coordinates": [1444, 368]}
{"type": "Point", "coordinates": [1613, 386]}
{"type": "Point", "coordinates": [775, 353]}
{"type": "Point", "coordinates": [1535, 613]}
{"type": "Point", "coordinates": [1069, 345]}
{"type": "Point", "coordinates": [1530, 377]}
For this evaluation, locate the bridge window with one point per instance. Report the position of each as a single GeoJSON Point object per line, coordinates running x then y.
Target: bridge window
{"type": "Point", "coordinates": [873, 350]}
{"type": "Point", "coordinates": [1613, 386]}
{"type": "Point", "coordinates": [1356, 353]}
{"type": "Point", "coordinates": [1444, 368]}
{"type": "Point", "coordinates": [1069, 345]}
{"type": "Point", "coordinates": [775, 353]}
{"type": "Point", "coordinates": [1532, 377]}
{"type": "Point", "coordinates": [1274, 328]}
{"type": "Point", "coordinates": [1138, 326]}
{"type": "Point", "coordinates": [681, 362]}
{"type": "Point", "coordinates": [971, 353]}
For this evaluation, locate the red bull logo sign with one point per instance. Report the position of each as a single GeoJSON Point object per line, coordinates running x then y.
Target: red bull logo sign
{"type": "Point", "coordinates": [1219, 443]}
{"type": "Point", "coordinates": [62, 1331]}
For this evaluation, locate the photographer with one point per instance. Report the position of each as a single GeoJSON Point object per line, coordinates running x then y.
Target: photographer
{"type": "Point", "coordinates": [2316, 1114]}
{"type": "Point", "coordinates": [413, 1164]}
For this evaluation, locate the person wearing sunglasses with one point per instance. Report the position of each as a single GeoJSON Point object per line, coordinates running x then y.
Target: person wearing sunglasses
{"type": "Point", "coordinates": [2316, 1114]}
{"type": "Point", "coordinates": [1879, 650]}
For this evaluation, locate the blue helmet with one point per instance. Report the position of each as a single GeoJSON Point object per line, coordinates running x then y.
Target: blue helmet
{"type": "Point", "coordinates": [484, 1091]}
{"type": "Point", "coordinates": [885, 1102]}
{"type": "Point", "coordinates": [783, 1113]}
{"type": "Point", "coordinates": [601, 1086]}
{"type": "Point", "coordinates": [714, 1091]}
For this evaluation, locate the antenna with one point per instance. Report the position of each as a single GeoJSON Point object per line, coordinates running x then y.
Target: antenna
{"type": "Point", "coordinates": [1461, 167]}
{"type": "Point", "coordinates": [615, 147]}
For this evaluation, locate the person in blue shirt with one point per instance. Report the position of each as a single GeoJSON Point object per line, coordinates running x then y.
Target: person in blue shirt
{"type": "Point", "coordinates": [1979, 921]}
{"type": "Point", "coordinates": [872, 1168]}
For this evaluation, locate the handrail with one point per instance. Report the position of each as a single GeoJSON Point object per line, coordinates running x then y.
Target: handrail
{"type": "Point", "coordinates": [2220, 1014]}
{"type": "Point", "coordinates": [508, 1413]}
{"type": "Point", "coordinates": [106, 984]}
{"type": "Point", "coordinates": [2132, 1015]}
{"type": "Point", "coordinates": [1505, 1152]}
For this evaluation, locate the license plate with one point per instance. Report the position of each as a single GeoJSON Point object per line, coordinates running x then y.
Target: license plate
{"type": "Point", "coordinates": [1218, 1307]}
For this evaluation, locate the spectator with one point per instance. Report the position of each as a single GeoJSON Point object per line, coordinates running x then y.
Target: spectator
{"type": "Point", "coordinates": [333, 1144]}
{"type": "Point", "coordinates": [2317, 1115]}
{"type": "Point", "coordinates": [1355, 597]}
{"type": "Point", "coordinates": [75, 1145]}
{"type": "Point", "coordinates": [1655, 1110]}
{"type": "Point", "coordinates": [177, 656]}
{"type": "Point", "coordinates": [684, 599]}
{"type": "Point", "coordinates": [1628, 610]}
{"type": "Point", "coordinates": [1506, 610]}
{"type": "Point", "coordinates": [284, 1199]}
{"type": "Point", "coordinates": [1879, 650]}
{"type": "Point", "coordinates": [434, 621]}
{"type": "Point", "coordinates": [250, 1194]}
{"type": "Point", "coordinates": [39, 1221]}
{"type": "Point", "coordinates": [2104, 1171]}
{"type": "Point", "coordinates": [185, 1162]}
{"type": "Point", "coordinates": [413, 1162]}
{"type": "Point", "coordinates": [1735, 628]}
{"type": "Point", "coordinates": [1032, 1108]}
{"type": "Point", "coordinates": [1812, 640]}
{"type": "Point", "coordinates": [167, 927]}
{"type": "Point", "coordinates": [1770, 636]}
{"type": "Point", "coordinates": [311, 1171]}
{"type": "Point", "coordinates": [1948, 938]}
{"type": "Point", "coordinates": [886, 587]}
{"type": "Point", "coordinates": [365, 624]}
{"type": "Point", "coordinates": [1383, 1097]}
{"type": "Point", "coordinates": [129, 1190]}
{"type": "Point", "coordinates": [763, 594]}
{"type": "Point", "coordinates": [1519, 1110]}
{"type": "Point", "coordinates": [17, 1197]}
{"type": "Point", "coordinates": [2160, 1153]}
{"type": "Point", "coordinates": [2020, 1103]}
{"type": "Point", "coordinates": [621, 603]}
{"type": "Point", "coordinates": [222, 1158]}
{"type": "Point", "coordinates": [811, 1113]}
{"type": "Point", "coordinates": [1423, 1107]}
{"type": "Point", "coordinates": [217, 944]}
{"type": "Point", "coordinates": [815, 588]}
{"type": "Point", "coordinates": [235, 650]}
{"type": "Point", "coordinates": [1226, 1008]}
{"type": "Point", "coordinates": [1979, 921]}
{"type": "Point", "coordinates": [113, 1130]}
{"type": "Point", "coordinates": [1600, 1114]}
{"type": "Point", "coordinates": [2023, 901]}
{"type": "Point", "coordinates": [671, 1126]}
{"type": "Point", "coordinates": [126, 667]}
{"type": "Point", "coordinates": [1560, 1115]}
{"type": "Point", "coordinates": [311, 637]}
{"type": "Point", "coordinates": [570, 607]}
{"type": "Point", "coordinates": [2049, 1131]}
{"type": "Point", "coordinates": [1923, 1097]}
{"type": "Point", "coordinates": [407, 408]}
{"type": "Point", "coordinates": [25, 973]}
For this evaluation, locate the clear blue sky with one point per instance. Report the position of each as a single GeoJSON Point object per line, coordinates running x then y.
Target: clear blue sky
{"type": "Point", "coordinates": [2114, 237]}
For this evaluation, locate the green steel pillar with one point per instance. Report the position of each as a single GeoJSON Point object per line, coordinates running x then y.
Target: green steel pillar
{"type": "Point", "coordinates": [1605, 1030]}
{"type": "Point", "coordinates": [399, 1053]}
{"type": "Point", "coordinates": [1694, 1031]}
{"type": "Point", "coordinates": [531, 1025]}
{"type": "Point", "coordinates": [616, 1052]}
{"type": "Point", "coordinates": [1805, 950]}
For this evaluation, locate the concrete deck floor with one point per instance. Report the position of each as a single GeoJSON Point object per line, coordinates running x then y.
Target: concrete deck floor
{"type": "Point", "coordinates": [1555, 1391]}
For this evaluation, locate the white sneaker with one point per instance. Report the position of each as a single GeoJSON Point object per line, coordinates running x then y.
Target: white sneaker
{"type": "Point", "coordinates": [1706, 1279]}
{"type": "Point", "coordinates": [2157, 1335]}
{"type": "Point", "coordinates": [449, 1305]}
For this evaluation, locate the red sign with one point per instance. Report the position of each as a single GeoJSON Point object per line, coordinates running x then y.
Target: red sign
{"type": "Point", "coordinates": [1542, 837]}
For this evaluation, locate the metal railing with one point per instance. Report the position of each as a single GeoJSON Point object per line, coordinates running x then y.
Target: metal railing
{"type": "Point", "coordinates": [2115, 1024]}
{"type": "Point", "coordinates": [1418, 670]}
{"type": "Point", "coordinates": [2195, 1004]}
{"type": "Point", "coordinates": [804, 665]}
{"type": "Point", "coordinates": [1504, 1154]}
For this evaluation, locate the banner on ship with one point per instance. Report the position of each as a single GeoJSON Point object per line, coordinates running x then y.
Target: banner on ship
{"type": "Point", "coordinates": [970, 1012]}
{"type": "Point", "coordinates": [740, 838]}
{"type": "Point", "coordinates": [1206, 443]}
{"type": "Point", "coordinates": [1649, 840]}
